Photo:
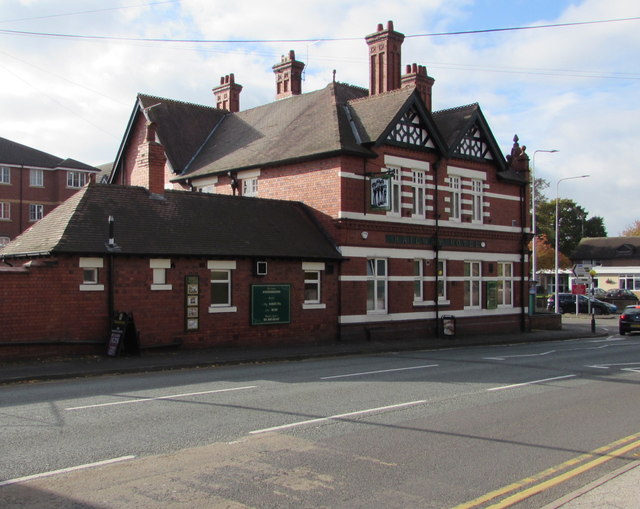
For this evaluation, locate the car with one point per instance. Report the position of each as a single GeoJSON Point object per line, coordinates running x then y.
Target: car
{"type": "Point", "coordinates": [567, 304]}
{"type": "Point", "coordinates": [621, 293]}
{"type": "Point", "coordinates": [598, 293]}
{"type": "Point", "coordinates": [629, 320]}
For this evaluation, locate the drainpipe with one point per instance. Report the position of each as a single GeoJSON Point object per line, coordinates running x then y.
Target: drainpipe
{"type": "Point", "coordinates": [523, 243]}
{"type": "Point", "coordinates": [436, 243]}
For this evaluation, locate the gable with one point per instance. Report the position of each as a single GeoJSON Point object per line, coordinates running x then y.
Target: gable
{"type": "Point", "coordinates": [411, 129]}
{"type": "Point", "coordinates": [473, 144]}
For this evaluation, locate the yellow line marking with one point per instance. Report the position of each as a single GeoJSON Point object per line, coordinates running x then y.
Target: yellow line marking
{"type": "Point", "coordinates": [602, 452]}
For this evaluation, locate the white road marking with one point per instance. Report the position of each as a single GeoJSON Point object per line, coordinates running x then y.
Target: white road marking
{"type": "Point", "coordinates": [533, 382]}
{"type": "Point", "coordinates": [339, 416]}
{"type": "Point", "coordinates": [379, 371]}
{"type": "Point", "coordinates": [504, 357]}
{"type": "Point", "coordinates": [65, 470]}
{"type": "Point", "coordinates": [145, 400]}
{"type": "Point", "coordinates": [607, 366]}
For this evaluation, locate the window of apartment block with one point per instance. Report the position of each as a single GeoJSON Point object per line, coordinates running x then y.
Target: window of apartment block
{"type": "Point", "coordinates": [505, 284]}
{"type": "Point", "coordinates": [456, 198]}
{"type": "Point", "coordinates": [442, 280]}
{"type": "Point", "coordinates": [76, 179]}
{"type": "Point", "coordinates": [312, 272]}
{"type": "Point", "coordinates": [376, 285]}
{"type": "Point", "coordinates": [5, 175]}
{"type": "Point", "coordinates": [629, 281]}
{"type": "Point", "coordinates": [91, 274]}
{"type": "Point", "coordinates": [418, 193]}
{"type": "Point", "coordinates": [5, 211]}
{"type": "Point", "coordinates": [418, 280]}
{"type": "Point", "coordinates": [36, 177]}
{"type": "Point", "coordinates": [476, 195]}
{"type": "Point", "coordinates": [159, 267]}
{"type": "Point", "coordinates": [472, 286]}
{"type": "Point", "coordinates": [36, 211]}
{"type": "Point", "coordinates": [221, 285]}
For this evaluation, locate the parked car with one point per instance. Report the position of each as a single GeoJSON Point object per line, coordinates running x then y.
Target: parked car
{"type": "Point", "coordinates": [567, 304]}
{"type": "Point", "coordinates": [621, 293]}
{"type": "Point", "coordinates": [598, 293]}
{"type": "Point", "coordinates": [629, 320]}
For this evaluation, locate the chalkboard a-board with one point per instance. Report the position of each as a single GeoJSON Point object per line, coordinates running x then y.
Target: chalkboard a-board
{"type": "Point", "coordinates": [123, 337]}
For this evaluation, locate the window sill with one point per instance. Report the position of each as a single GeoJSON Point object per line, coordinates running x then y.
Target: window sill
{"type": "Point", "coordinates": [314, 306]}
{"type": "Point", "coordinates": [91, 288]}
{"type": "Point", "coordinates": [222, 309]}
{"type": "Point", "coordinates": [162, 287]}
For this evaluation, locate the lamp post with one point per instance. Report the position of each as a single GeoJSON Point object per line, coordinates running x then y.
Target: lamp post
{"type": "Point", "coordinates": [556, 303]}
{"type": "Point", "coordinates": [533, 222]}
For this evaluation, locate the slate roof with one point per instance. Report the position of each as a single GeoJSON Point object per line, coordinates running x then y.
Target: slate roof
{"type": "Point", "coordinates": [17, 154]}
{"type": "Point", "coordinates": [176, 223]}
{"type": "Point", "coordinates": [606, 248]}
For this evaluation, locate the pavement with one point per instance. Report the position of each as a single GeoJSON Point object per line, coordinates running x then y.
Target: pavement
{"type": "Point", "coordinates": [620, 489]}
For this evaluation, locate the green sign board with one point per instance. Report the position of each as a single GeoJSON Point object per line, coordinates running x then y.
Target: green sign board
{"type": "Point", "coordinates": [270, 304]}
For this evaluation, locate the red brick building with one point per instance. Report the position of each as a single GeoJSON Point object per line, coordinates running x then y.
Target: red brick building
{"type": "Point", "coordinates": [32, 183]}
{"type": "Point", "coordinates": [430, 218]}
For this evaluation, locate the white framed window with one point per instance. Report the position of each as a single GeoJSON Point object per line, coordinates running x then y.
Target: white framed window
{"type": "Point", "coordinates": [505, 284]}
{"type": "Point", "coordinates": [418, 280]}
{"type": "Point", "coordinates": [209, 189]}
{"type": "Point", "coordinates": [77, 179]}
{"type": "Point", "coordinates": [312, 272]}
{"type": "Point", "coordinates": [5, 211]}
{"type": "Point", "coordinates": [36, 212]}
{"type": "Point", "coordinates": [5, 175]}
{"type": "Point", "coordinates": [91, 274]}
{"type": "Point", "coordinates": [472, 285]}
{"type": "Point", "coordinates": [456, 198]}
{"type": "Point", "coordinates": [376, 285]}
{"type": "Point", "coordinates": [36, 177]}
{"type": "Point", "coordinates": [418, 193]}
{"type": "Point", "coordinates": [159, 267]}
{"type": "Point", "coordinates": [221, 285]}
{"type": "Point", "coordinates": [395, 191]}
{"type": "Point", "coordinates": [4, 241]}
{"type": "Point", "coordinates": [476, 195]}
{"type": "Point", "coordinates": [250, 186]}
{"type": "Point", "coordinates": [442, 279]}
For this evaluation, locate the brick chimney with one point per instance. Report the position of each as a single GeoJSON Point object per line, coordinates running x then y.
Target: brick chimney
{"type": "Point", "coordinates": [417, 77]}
{"type": "Point", "coordinates": [384, 59]}
{"type": "Point", "coordinates": [288, 76]}
{"type": "Point", "coordinates": [228, 94]}
{"type": "Point", "coordinates": [149, 170]}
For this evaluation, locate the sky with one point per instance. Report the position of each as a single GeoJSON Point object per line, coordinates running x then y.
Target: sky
{"type": "Point", "coordinates": [70, 71]}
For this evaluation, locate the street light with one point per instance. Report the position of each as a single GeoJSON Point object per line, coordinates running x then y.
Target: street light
{"type": "Point", "coordinates": [533, 220]}
{"type": "Point", "coordinates": [557, 231]}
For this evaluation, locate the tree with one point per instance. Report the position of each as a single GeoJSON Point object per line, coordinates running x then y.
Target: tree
{"type": "Point", "coordinates": [546, 255]}
{"type": "Point", "coordinates": [633, 230]}
{"type": "Point", "coordinates": [573, 221]}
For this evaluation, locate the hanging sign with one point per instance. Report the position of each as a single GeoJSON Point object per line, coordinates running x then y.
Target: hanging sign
{"type": "Point", "coordinates": [381, 192]}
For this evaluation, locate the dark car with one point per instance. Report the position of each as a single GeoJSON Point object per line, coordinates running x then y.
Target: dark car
{"type": "Point", "coordinates": [630, 320]}
{"type": "Point", "coordinates": [567, 304]}
{"type": "Point", "coordinates": [621, 293]}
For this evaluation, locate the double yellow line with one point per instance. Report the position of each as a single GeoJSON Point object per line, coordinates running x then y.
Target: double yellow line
{"type": "Point", "coordinates": [553, 476]}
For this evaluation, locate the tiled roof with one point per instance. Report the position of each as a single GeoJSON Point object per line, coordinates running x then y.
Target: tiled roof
{"type": "Point", "coordinates": [294, 128]}
{"type": "Point", "coordinates": [454, 122]}
{"type": "Point", "coordinates": [16, 153]}
{"type": "Point", "coordinates": [177, 223]}
{"type": "Point", "coordinates": [605, 248]}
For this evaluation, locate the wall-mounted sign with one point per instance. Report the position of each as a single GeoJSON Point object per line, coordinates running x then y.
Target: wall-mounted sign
{"type": "Point", "coordinates": [430, 241]}
{"type": "Point", "coordinates": [270, 304]}
{"type": "Point", "coordinates": [192, 308]}
{"type": "Point", "coordinates": [381, 192]}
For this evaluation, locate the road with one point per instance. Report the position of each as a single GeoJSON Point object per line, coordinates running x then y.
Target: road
{"type": "Point", "coordinates": [516, 424]}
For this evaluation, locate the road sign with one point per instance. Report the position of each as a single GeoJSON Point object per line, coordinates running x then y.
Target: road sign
{"type": "Point", "coordinates": [581, 270]}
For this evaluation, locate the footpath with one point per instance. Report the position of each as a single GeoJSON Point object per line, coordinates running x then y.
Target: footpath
{"type": "Point", "coordinates": [620, 489]}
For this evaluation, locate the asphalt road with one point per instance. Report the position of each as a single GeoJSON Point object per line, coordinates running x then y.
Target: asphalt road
{"type": "Point", "coordinates": [468, 427]}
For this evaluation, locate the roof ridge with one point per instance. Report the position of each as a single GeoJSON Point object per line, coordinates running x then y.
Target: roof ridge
{"type": "Point", "coordinates": [384, 94]}
{"type": "Point", "coordinates": [177, 101]}
{"type": "Point", "coordinates": [457, 108]}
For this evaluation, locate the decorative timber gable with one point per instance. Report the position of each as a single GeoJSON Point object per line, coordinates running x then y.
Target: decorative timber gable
{"type": "Point", "coordinates": [411, 129]}
{"type": "Point", "coordinates": [473, 144]}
